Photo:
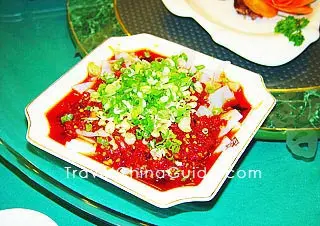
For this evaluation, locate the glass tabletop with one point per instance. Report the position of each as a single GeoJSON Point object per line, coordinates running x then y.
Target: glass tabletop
{"type": "Point", "coordinates": [37, 49]}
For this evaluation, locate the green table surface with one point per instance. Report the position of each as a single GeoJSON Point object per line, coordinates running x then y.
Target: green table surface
{"type": "Point", "coordinates": [36, 49]}
{"type": "Point", "coordinates": [14, 193]}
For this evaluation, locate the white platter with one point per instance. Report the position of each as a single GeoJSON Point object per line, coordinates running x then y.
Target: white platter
{"type": "Point", "coordinates": [255, 91]}
{"type": "Point", "coordinates": [251, 39]}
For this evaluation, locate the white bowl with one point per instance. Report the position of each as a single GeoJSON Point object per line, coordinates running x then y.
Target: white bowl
{"type": "Point", "coordinates": [22, 217]}
{"type": "Point", "coordinates": [255, 91]}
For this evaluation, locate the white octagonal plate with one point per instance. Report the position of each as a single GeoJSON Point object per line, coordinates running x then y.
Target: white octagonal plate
{"type": "Point", "coordinates": [254, 89]}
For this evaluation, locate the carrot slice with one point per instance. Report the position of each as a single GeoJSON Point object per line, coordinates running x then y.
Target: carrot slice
{"type": "Point", "coordinates": [299, 3]}
{"type": "Point", "coordinates": [282, 3]}
{"type": "Point", "coordinates": [288, 3]}
{"type": "Point", "coordinates": [299, 10]}
{"type": "Point", "coordinates": [261, 8]}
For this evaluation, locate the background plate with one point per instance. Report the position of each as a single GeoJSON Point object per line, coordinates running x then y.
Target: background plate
{"type": "Point", "coordinates": [254, 40]}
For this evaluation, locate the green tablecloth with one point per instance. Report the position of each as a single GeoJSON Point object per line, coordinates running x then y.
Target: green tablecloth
{"type": "Point", "coordinates": [16, 193]}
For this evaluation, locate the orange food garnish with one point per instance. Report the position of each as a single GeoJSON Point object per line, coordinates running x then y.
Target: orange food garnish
{"type": "Point", "coordinates": [261, 8]}
{"type": "Point", "coordinates": [291, 6]}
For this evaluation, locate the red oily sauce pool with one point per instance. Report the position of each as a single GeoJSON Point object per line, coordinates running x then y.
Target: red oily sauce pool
{"type": "Point", "coordinates": [184, 168]}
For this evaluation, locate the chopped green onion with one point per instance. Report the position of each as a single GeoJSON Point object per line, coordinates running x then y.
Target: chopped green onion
{"type": "Point", "coordinates": [147, 54]}
{"type": "Point", "coordinates": [88, 127]}
{"type": "Point", "coordinates": [66, 118]}
{"type": "Point", "coordinates": [199, 67]}
{"type": "Point", "coordinates": [216, 111]}
{"type": "Point", "coordinates": [183, 179]}
{"type": "Point", "coordinates": [102, 141]}
{"type": "Point", "coordinates": [149, 96]}
{"type": "Point", "coordinates": [117, 64]}
{"type": "Point", "coordinates": [93, 69]}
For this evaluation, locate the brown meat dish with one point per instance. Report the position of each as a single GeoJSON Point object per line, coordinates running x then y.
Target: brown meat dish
{"type": "Point", "coordinates": [241, 8]}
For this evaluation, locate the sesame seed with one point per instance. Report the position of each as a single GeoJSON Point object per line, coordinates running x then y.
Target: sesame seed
{"type": "Point", "coordinates": [205, 131]}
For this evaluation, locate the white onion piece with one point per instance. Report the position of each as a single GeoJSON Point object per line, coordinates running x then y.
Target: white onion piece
{"type": "Point", "coordinates": [206, 76]}
{"type": "Point", "coordinates": [233, 117]}
{"type": "Point", "coordinates": [220, 96]}
{"type": "Point", "coordinates": [182, 63]}
{"type": "Point", "coordinates": [202, 110]}
{"type": "Point", "coordinates": [129, 138]}
{"type": "Point", "coordinates": [80, 146]}
{"type": "Point", "coordinates": [184, 124]}
{"type": "Point", "coordinates": [132, 60]}
{"type": "Point", "coordinates": [82, 87]}
{"type": "Point", "coordinates": [92, 119]}
{"type": "Point", "coordinates": [191, 57]}
{"type": "Point", "coordinates": [128, 58]}
{"type": "Point", "coordinates": [213, 73]}
{"type": "Point", "coordinates": [223, 145]}
{"type": "Point", "coordinates": [110, 127]}
{"type": "Point", "coordinates": [221, 68]}
{"type": "Point", "coordinates": [123, 55]}
{"type": "Point", "coordinates": [98, 133]}
{"type": "Point", "coordinates": [90, 90]}
{"type": "Point", "coordinates": [106, 68]}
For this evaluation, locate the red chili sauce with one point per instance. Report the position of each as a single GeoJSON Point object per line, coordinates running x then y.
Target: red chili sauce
{"type": "Point", "coordinates": [196, 151]}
